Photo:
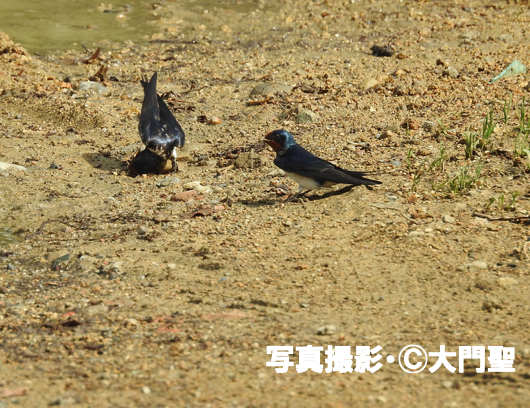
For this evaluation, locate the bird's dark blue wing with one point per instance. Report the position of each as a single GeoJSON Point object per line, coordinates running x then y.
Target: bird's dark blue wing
{"type": "Point", "coordinates": [299, 161]}
{"type": "Point", "coordinates": [149, 125]}
{"type": "Point", "coordinates": [169, 124]}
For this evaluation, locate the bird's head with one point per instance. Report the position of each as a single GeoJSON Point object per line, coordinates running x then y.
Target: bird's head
{"type": "Point", "coordinates": [147, 162]}
{"type": "Point", "coordinates": [279, 140]}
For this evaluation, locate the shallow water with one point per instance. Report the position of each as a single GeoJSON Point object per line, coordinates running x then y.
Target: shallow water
{"type": "Point", "coordinates": [64, 24]}
{"type": "Point", "coordinates": [45, 27]}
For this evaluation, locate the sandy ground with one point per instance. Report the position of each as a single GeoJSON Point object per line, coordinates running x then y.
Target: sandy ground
{"type": "Point", "coordinates": [116, 294]}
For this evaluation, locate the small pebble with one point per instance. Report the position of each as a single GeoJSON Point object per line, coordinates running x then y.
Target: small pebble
{"type": "Point", "coordinates": [95, 87]}
{"type": "Point", "coordinates": [276, 173]}
{"type": "Point", "coordinates": [270, 88]}
{"type": "Point", "coordinates": [491, 304]}
{"type": "Point", "coordinates": [305, 116]}
{"type": "Point", "coordinates": [86, 263]}
{"type": "Point", "coordinates": [146, 390]}
{"type": "Point", "coordinates": [448, 219]}
{"type": "Point", "coordinates": [6, 167]}
{"type": "Point", "coordinates": [507, 282]}
{"type": "Point", "coordinates": [388, 134]}
{"type": "Point", "coordinates": [450, 72]}
{"type": "Point", "coordinates": [63, 400]}
{"type": "Point", "coordinates": [326, 330]}
{"type": "Point", "coordinates": [214, 121]}
{"type": "Point", "coordinates": [248, 160]}
{"type": "Point", "coordinates": [97, 309]}
{"type": "Point", "coordinates": [429, 126]}
{"type": "Point", "coordinates": [58, 256]}
{"type": "Point", "coordinates": [382, 51]}
{"type": "Point", "coordinates": [299, 115]}
{"type": "Point", "coordinates": [368, 83]}
{"type": "Point", "coordinates": [191, 185]}
{"type": "Point", "coordinates": [186, 196]}
{"type": "Point", "coordinates": [63, 258]}
{"type": "Point", "coordinates": [481, 221]}
{"type": "Point", "coordinates": [483, 284]}
{"type": "Point", "coordinates": [168, 181]}
{"type": "Point", "coordinates": [116, 266]}
{"type": "Point", "coordinates": [204, 189]}
{"type": "Point", "coordinates": [478, 265]}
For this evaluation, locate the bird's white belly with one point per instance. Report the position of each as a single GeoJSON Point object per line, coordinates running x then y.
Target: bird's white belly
{"type": "Point", "coordinates": [306, 182]}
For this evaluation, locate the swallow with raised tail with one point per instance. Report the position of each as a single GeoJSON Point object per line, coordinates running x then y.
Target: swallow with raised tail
{"type": "Point", "coordinates": [309, 171]}
{"type": "Point", "coordinates": [160, 132]}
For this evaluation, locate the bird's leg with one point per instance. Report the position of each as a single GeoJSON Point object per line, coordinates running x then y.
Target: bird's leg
{"type": "Point", "coordinates": [299, 194]}
{"type": "Point", "coordinates": [174, 165]}
{"type": "Point", "coordinates": [300, 189]}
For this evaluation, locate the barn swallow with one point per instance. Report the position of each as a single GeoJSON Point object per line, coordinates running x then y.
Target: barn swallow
{"type": "Point", "coordinates": [159, 131]}
{"type": "Point", "coordinates": [308, 170]}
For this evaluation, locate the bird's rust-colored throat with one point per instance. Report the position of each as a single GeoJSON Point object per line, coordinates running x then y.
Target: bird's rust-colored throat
{"type": "Point", "coordinates": [272, 143]}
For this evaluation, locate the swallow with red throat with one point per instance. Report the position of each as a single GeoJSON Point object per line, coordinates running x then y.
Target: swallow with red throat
{"type": "Point", "coordinates": [308, 170]}
{"type": "Point", "coordinates": [160, 132]}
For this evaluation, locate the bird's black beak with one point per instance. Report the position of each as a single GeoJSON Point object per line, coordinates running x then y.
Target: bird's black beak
{"type": "Point", "coordinates": [271, 142]}
{"type": "Point", "coordinates": [268, 138]}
